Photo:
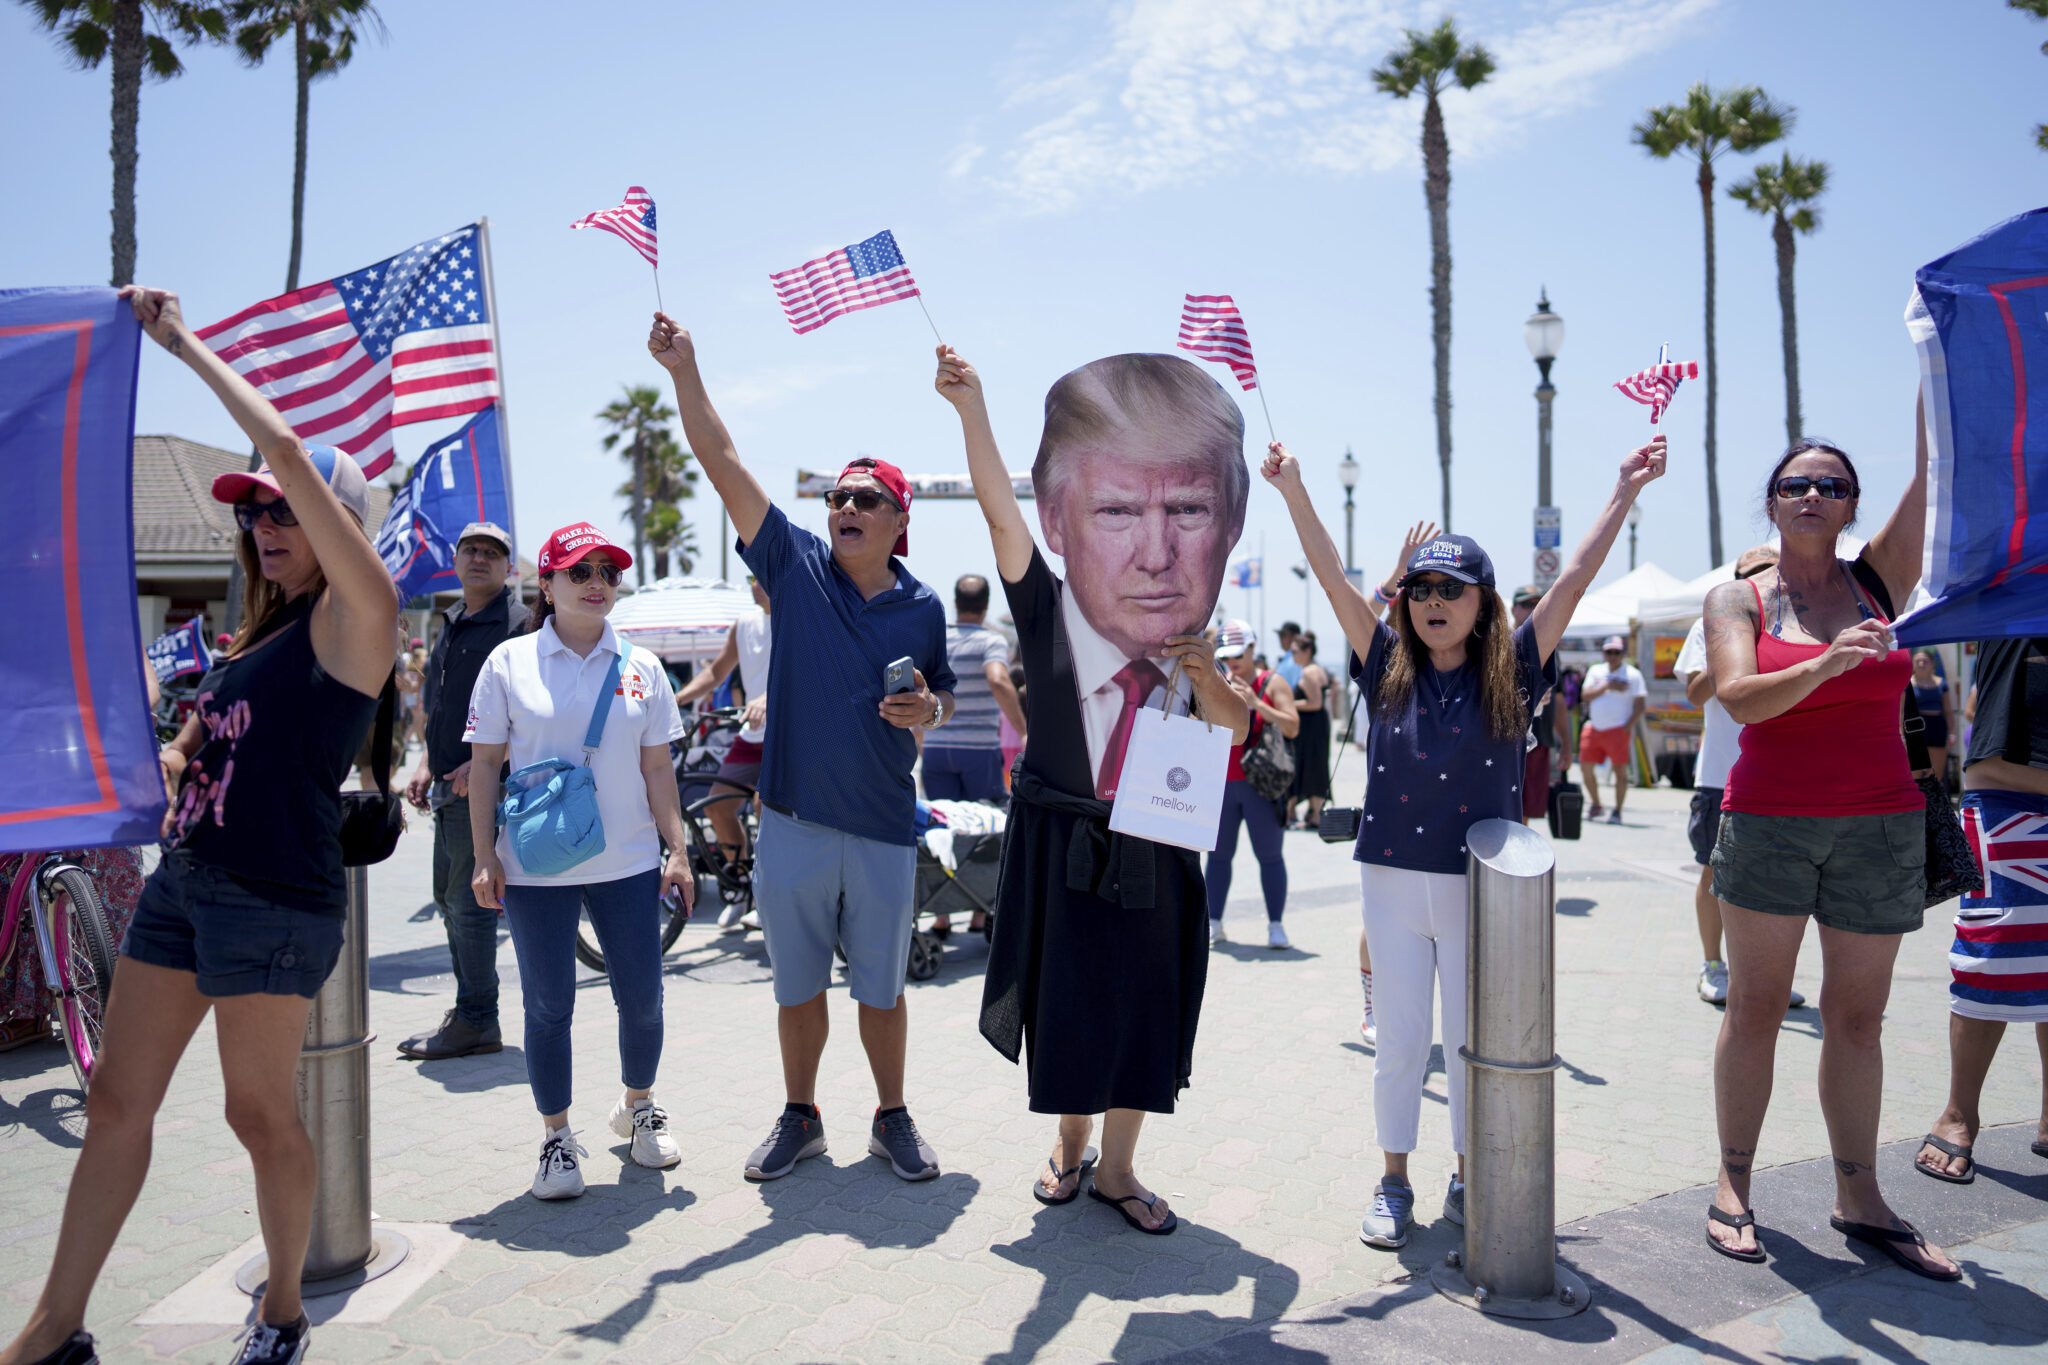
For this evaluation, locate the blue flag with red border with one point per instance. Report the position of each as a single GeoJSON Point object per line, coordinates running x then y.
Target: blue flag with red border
{"type": "Point", "coordinates": [460, 479]}
{"type": "Point", "coordinates": [76, 739]}
{"type": "Point", "coordinates": [1979, 318]}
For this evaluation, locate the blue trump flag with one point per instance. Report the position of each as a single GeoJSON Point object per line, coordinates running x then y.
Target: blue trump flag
{"type": "Point", "coordinates": [76, 739]}
{"type": "Point", "coordinates": [179, 651]}
{"type": "Point", "coordinates": [460, 479]}
{"type": "Point", "coordinates": [1979, 318]}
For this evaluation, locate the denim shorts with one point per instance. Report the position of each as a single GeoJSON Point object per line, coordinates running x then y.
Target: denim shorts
{"type": "Point", "coordinates": [194, 917]}
{"type": "Point", "coordinates": [1866, 874]}
{"type": "Point", "coordinates": [1703, 823]}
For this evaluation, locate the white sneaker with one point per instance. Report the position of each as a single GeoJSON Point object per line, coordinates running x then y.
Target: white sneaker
{"type": "Point", "coordinates": [559, 1177]}
{"type": "Point", "coordinates": [751, 920]}
{"type": "Point", "coordinates": [1369, 1031]}
{"type": "Point", "coordinates": [1276, 937]}
{"type": "Point", "coordinates": [647, 1124]}
{"type": "Point", "coordinates": [730, 915]}
{"type": "Point", "coordinates": [1714, 982]}
{"type": "Point", "coordinates": [1216, 934]}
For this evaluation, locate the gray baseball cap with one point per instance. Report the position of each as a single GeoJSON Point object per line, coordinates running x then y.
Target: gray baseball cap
{"type": "Point", "coordinates": [489, 530]}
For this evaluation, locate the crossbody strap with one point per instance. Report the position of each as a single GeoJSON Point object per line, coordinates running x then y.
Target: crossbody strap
{"type": "Point", "coordinates": [595, 735]}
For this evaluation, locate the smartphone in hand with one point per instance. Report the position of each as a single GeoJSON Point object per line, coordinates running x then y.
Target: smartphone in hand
{"type": "Point", "coordinates": [899, 677]}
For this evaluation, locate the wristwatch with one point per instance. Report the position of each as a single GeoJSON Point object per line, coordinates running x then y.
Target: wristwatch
{"type": "Point", "coordinates": [938, 717]}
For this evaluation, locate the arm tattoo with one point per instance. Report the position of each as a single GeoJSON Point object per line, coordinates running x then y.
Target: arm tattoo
{"type": "Point", "coordinates": [176, 345]}
{"type": "Point", "coordinates": [1727, 611]}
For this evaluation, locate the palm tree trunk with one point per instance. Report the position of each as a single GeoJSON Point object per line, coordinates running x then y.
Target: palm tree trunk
{"type": "Point", "coordinates": [1781, 233]}
{"type": "Point", "coordinates": [1713, 370]}
{"type": "Point", "coordinates": [305, 81]}
{"type": "Point", "coordinates": [640, 511]}
{"type": "Point", "coordinates": [1436, 188]}
{"type": "Point", "coordinates": [126, 51]}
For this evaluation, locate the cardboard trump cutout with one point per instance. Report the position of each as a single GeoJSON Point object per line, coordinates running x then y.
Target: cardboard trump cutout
{"type": "Point", "coordinates": [1141, 485]}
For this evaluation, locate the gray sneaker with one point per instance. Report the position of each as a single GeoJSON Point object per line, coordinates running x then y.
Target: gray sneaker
{"type": "Point", "coordinates": [1393, 1213]}
{"type": "Point", "coordinates": [1714, 982]}
{"type": "Point", "coordinates": [794, 1137]}
{"type": "Point", "coordinates": [896, 1137]}
{"type": "Point", "coordinates": [1454, 1202]}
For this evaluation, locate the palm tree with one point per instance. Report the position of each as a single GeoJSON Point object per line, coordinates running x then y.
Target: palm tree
{"type": "Point", "coordinates": [323, 34]}
{"type": "Point", "coordinates": [1433, 62]}
{"type": "Point", "coordinates": [2039, 9]}
{"type": "Point", "coordinates": [1786, 193]}
{"type": "Point", "coordinates": [1740, 118]}
{"type": "Point", "coordinates": [661, 474]}
{"type": "Point", "coordinates": [668, 533]}
{"type": "Point", "coordinates": [92, 31]}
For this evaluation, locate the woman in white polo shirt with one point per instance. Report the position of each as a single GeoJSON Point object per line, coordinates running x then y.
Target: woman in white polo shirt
{"type": "Point", "coordinates": [533, 701]}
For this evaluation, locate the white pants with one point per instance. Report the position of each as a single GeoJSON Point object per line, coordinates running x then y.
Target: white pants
{"type": "Point", "coordinates": [1415, 927]}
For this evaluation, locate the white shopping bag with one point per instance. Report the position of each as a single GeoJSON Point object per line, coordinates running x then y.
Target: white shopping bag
{"type": "Point", "coordinates": [1171, 788]}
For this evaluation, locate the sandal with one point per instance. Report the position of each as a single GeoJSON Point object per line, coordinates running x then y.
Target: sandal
{"type": "Point", "coordinates": [1745, 1219]}
{"type": "Point", "coordinates": [1172, 1218]}
{"type": "Point", "coordinates": [1080, 1168]}
{"type": "Point", "coordinates": [2039, 1149]}
{"type": "Point", "coordinates": [1887, 1240]}
{"type": "Point", "coordinates": [1949, 1149]}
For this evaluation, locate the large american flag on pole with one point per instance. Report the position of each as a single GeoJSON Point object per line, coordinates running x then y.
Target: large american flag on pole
{"type": "Point", "coordinates": [408, 339]}
{"type": "Point", "coordinates": [864, 275]}
{"type": "Point", "coordinates": [1213, 329]}
{"type": "Point", "coordinates": [632, 221]}
{"type": "Point", "coordinates": [1658, 384]}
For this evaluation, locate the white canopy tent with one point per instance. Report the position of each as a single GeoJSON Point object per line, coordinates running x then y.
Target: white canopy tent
{"type": "Point", "coordinates": [1612, 610]}
{"type": "Point", "coordinates": [681, 619]}
{"type": "Point", "coordinates": [1686, 601]}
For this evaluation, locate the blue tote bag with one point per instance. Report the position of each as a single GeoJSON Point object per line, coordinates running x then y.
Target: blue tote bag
{"type": "Point", "coordinates": [550, 814]}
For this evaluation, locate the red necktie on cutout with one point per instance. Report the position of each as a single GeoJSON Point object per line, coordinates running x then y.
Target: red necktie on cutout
{"type": "Point", "coordinates": [1135, 680]}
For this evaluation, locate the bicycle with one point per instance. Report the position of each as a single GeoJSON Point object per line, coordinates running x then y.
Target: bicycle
{"type": "Point", "coordinates": [75, 943]}
{"type": "Point", "coordinates": [728, 877]}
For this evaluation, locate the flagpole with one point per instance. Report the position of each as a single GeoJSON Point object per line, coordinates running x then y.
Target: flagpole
{"type": "Point", "coordinates": [483, 234]}
{"type": "Point", "coordinates": [919, 296]}
{"type": "Point", "coordinates": [658, 305]}
{"type": "Point", "coordinates": [1268, 411]}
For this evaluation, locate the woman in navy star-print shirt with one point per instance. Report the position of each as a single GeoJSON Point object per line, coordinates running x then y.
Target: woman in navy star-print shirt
{"type": "Point", "coordinates": [1450, 684]}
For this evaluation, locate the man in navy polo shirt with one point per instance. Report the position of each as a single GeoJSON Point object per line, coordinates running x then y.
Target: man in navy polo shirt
{"type": "Point", "coordinates": [837, 856]}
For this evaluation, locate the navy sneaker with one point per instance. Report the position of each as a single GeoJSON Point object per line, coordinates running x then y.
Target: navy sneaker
{"type": "Point", "coordinates": [896, 1137]}
{"type": "Point", "coordinates": [1393, 1213]}
{"type": "Point", "coordinates": [796, 1135]}
{"type": "Point", "coordinates": [1454, 1202]}
{"type": "Point", "coordinates": [264, 1344]}
{"type": "Point", "coordinates": [76, 1350]}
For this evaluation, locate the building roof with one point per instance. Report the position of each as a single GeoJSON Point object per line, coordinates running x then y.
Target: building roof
{"type": "Point", "coordinates": [176, 517]}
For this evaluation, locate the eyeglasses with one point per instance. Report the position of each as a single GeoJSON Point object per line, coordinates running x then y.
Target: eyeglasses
{"type": "Point", "coordinates": [579, 574]}
{"type": "Point", "coordinates": [863, 499]}
{"type": "Point", "coordinates": [1834, 488]}
{"type": "Point", "coordinates": [1448, 592]}
{"type": "Point", "coordinates": [247, 514]}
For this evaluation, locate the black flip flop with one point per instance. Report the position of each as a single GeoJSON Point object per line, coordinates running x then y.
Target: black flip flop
{"type": "Point", "coordinates": [1038, 1190]}
{"type": "Point", "coordinates": [1887, 1240]}
{"type": "Point", "coordinates": [1949, 1149]}
{"type": "Point", "coordinates": [2039, 1149]}
{"type": "Point", "coordinates": [1172, 1218]}
{"type": "Point", "coordinates": [1745, 1219]}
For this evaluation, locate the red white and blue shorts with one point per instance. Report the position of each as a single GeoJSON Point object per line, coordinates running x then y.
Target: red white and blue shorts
{"type": "Point", "coordinates": [1998, 964]}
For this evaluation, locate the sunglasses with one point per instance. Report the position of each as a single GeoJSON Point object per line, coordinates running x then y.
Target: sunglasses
{"type": "Point", "coordinates": [579, 574]}
{"type": "Point", "coordinates": [1833, 488]}
{"type": "Point", "coordinates": [863, 499]}
{"type": "Point", "coordinates": [1421, 592]}
{"type": "Point", "coordinates": [247, 514]}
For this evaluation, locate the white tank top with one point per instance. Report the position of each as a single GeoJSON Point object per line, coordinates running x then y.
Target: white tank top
{"type": "Point", "coordinates": [750, 635]}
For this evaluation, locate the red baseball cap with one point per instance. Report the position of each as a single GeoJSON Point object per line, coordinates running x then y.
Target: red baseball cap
{"type": "Point", "coordinates": [568, 546]}
{"type": "Point", "coordinates": [891, 478]}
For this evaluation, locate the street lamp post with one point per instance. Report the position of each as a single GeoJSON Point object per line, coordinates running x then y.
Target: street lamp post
{"type": "Point", "coordinates": [1544, 335]}
{"type": "Point", "coordinates": [1347, 474]}
{"type": "Point", "coordinates": [1635, 519]}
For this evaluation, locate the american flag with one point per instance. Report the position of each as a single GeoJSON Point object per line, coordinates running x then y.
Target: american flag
{"type": "Point", "coordinates": [1213, 329]}
{"type": "Point", "coordinates": [632, 220]}
{"type": "Point", "coordinates": [408, 339]}
{"type": "Point", "coordinates": [1658, 384]}
{"type": "Point", "coordinates": [864, 275]}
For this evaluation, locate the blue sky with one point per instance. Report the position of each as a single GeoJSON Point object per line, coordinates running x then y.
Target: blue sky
{"type": "Point", "coordinates": [1058, 176]}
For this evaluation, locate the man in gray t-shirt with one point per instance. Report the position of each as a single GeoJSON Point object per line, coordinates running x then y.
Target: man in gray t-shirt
{"type": "Point", "coordinates": [964, 762]}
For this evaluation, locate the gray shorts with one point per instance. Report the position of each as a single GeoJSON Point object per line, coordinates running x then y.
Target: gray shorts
{"type": "Point", "coordinates": [1863, 873]}
{"type": "Point", "coordinates": [1703, 824]}
{"type": "Point", "coordinates": [816, 888]}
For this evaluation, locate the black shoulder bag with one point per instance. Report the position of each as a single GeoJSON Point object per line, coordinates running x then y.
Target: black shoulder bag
{"type": "Point", "coordinates": [372, 821]}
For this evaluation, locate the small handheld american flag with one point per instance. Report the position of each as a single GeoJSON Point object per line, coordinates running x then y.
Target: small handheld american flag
{"type": "Point", "coordinates": [865, 275]}
{"type": "Point", "coordinates": [632, 222]}
{"type": "Point", "coordinates": [1213, 329]}
{"type": "Point", "coordinates": [1658, 384]}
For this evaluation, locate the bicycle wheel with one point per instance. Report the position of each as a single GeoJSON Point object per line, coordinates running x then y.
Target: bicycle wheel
{"type": "Point", "coordinates": [591, 955]}
{"type": "Point", "coordinates": [84, 946]}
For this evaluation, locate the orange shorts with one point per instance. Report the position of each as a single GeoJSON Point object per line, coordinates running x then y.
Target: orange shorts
{"type": "Point", "coordinates": [1596, 746]}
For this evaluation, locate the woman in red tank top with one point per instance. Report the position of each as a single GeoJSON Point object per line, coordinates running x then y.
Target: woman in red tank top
{"type": "Point", "coordinates": [1821, 820]}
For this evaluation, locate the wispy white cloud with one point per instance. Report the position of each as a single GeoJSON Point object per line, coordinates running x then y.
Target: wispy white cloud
{"type": "Point", "coordinates": [772, 386]}
{"type": "Point", "coordinates": [1184, 87]}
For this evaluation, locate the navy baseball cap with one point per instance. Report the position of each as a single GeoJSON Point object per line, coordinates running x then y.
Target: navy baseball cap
{"type": "Point", "coordinates": [1456, 557]}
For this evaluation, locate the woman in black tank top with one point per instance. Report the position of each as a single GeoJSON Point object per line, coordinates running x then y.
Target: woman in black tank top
{"type": "Point", "coordinates": [243, 917]}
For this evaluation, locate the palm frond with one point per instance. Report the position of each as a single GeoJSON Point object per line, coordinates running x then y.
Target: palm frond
{"type": "Point", "coordinates": [159, 58]}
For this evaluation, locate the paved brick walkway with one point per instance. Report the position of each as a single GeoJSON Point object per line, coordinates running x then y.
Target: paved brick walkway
{"type": "Point", "coordinates": [1270, 1161]}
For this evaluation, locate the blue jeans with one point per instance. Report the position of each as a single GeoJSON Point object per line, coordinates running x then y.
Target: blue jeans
{"type": "Point", "coordinates": [472, 930]}
{"type": "Point", "coordinates": [627, 917]}
{"type": "Point", "coordinates": [1261, 820]}
{"type": "Point", "coordinates": [963, 774]}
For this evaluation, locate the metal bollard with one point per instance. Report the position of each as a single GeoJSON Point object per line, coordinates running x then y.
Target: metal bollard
{"type": "Point", "coordinates": [1509, 1267]}
{"type": "Point", "coordinates": [334, 1104]}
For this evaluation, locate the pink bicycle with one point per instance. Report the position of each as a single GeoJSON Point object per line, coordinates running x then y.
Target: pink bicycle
{"type": "Point", "coordinates": [62, 908]}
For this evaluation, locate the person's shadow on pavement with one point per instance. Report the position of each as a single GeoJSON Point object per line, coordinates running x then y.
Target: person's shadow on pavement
{"type": "Point", "coordinates": [599, 1223]}
{"type": "Point", "coordinates": [864, 1201]}
{"type": "Point", "coordinates": [1089, 1250]}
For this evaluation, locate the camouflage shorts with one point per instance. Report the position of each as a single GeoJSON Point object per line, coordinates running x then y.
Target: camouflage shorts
{"type": "Point", "coordinates": [1863, 873]}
